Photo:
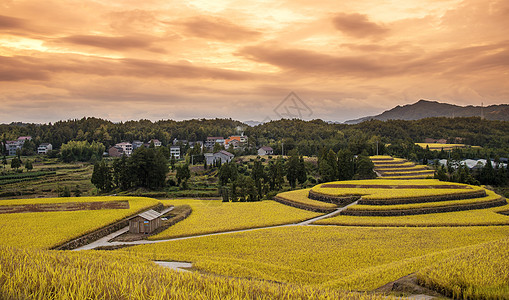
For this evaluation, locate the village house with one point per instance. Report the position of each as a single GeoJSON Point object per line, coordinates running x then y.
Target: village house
{"type": "Point", "coordinates": [13, 146]}
{"type": "Point", "coordinates": [127, 148]}
{"type": "Point", "coordinates": [44, 148]}
{"type": "Point", "coordinates": [146, 222]}
{"type": "Point", "coordinates": [137, 144]}
{"type": "Point", "coordinates": [222, 156]}
{"type": "Point", "coordinates": [175, 151]}
{"type": "Point", "coordinates": [212, 140]}
{"type": "Point", "coordinates": [115, 151]}
{"type": "Point", "coordinates": [156, 142]}
{"type": "Point", "coordinates": [265, 151]}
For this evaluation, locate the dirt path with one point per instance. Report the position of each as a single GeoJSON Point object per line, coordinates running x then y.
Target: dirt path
{"type": "Point", "coordinates": [105, 241]}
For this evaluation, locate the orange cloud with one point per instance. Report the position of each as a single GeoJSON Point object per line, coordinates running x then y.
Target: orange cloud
{"type": "Point", "coordinates": [358, 25]}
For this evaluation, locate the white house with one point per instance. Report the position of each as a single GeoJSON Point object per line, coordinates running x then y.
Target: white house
{"type": "Point", "coordinates": [44, 148]}
{"type": "Point", "coordinates": [156, 142]}
{"type": "Point", "coordinates": [13, 146]}
{"type": "Point", "coordinates": [137, 144]}
{"type": "Point", "coordinates": [265, 151]}
{"type": "Point", "coordinates": [212, 140]}
{"type": "Point", "coordinates": [175, 151]}
{"type": "Point", "coordinates": [222, 156]}
{"type": "Point", "coordinates": [127, 148]}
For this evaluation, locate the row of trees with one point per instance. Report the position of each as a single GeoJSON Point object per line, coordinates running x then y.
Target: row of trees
{"type": "Point", "coordinates": [144, 168]}
{"type": "Point", "coordinates": [262, 180]}
{"type": "Point", "coordinates": [497, 175]}
{"type": "Point", "coordinates": [343, 165]}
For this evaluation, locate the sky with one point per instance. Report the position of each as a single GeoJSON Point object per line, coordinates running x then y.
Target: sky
{"type": "Point", "coordinates": [164, 59]}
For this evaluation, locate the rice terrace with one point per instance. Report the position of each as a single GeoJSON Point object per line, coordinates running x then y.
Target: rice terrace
{"type": "Point", "coordinates": [357, 239]}
{"type": "Point", "coordinates": [264, 150]}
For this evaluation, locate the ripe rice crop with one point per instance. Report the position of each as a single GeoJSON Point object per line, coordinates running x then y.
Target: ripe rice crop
{"type": "Point", "coordinates": [43, 274]}
{"type": "Point", "coordinates": [48, 229]}
{"type": "Point", "coordinates": [436, 146]}
{"type": "Point", "coordinates": [357, 258]}
{"type": "Point", "coordinates": [485, 217]}
{"type": "Point", "coordinates": [480, 272]}
{"type": "Point", "coordinates": [210, 216]}
{"type": "Point", "coordinates": [301, 196]}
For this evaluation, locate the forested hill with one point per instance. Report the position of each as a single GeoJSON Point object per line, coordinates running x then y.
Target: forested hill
{"type": "Point", "coordinates": [427, 109]}
{"type": "Point", "coordinates": [307, 136]}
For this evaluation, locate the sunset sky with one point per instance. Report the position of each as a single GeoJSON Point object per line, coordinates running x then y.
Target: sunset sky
{"type": "Point", "coordinates": [124, 60]}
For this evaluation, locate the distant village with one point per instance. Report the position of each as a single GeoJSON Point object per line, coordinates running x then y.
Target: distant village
{"type": "Point", "coordinates": [214, 149]}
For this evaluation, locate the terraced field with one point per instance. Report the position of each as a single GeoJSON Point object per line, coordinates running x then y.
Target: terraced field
{"type": "Point", "coordinates": [388, 167]}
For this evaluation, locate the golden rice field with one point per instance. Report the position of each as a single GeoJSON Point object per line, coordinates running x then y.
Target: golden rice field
{"type": "Point", "coordinates": [480, 272]}
{"type": "Point", "coordinates": [48, 229]}
{"type": "Point", "coordinates": [484, 217]}
{"type": "Point", "coordinates": [388, 191]}
{"type": "Point", "coordinates": [211, 216]}
{"type": "Point", "coordinates": [437, 146]}
{"type": "Point", "coordinates": [43, 274]}
{"type": "Point", "coordinates": [352, 258]}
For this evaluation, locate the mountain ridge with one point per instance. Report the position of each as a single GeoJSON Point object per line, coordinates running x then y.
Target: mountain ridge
{"type": "Point", "coordinates": [430, 108]}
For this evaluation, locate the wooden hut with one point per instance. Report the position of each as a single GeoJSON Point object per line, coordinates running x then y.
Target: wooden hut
{"type": "Point", "coordinates": [146, 222]}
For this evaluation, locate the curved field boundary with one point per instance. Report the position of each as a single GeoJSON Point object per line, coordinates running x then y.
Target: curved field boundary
{"type": "Point", "coordinates": [300, 205]}
{"type": "Point", "coordinates": [381, 186]}
{"type": "Point", "coordinates": [408, 177]}
{"type": "Point", "coordinates": [73, 206]}
{"type": "Point", "coordinates": [426, 210]}
{"type": "Point", "coordinates": [408, 173]}
{"type": "Point", "coordinates": [382, 159]}
{"type": "Point", "coordinates": [339, 200]}
{"type": "Point", "coordinates": [390, 162]}
{"type": "Point", "coordinates": [447, 197]}
{"type": "Point", "coordinates": [395, 166]}
{"type": "Point", "coordinates": [406, 168]}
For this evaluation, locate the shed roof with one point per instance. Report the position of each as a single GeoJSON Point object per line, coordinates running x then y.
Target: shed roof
{"type": "Point", "coordinates": [149, 215]}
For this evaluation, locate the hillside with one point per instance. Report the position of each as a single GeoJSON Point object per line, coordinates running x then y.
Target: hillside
{"type": "Point", "coordinates": [428, 109]}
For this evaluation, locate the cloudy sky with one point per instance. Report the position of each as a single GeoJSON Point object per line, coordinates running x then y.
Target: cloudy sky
{"type": "Point", "coordinates": [151, 59]}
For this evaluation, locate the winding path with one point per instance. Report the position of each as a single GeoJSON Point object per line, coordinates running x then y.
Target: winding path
{"type": "Point", "coordinates": [105, 241]}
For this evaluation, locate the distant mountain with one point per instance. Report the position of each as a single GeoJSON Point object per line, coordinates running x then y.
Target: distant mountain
{"type": "Point", "coordinates": [252, 123]}
{"type": "Point", "coordinates": [427, 109]}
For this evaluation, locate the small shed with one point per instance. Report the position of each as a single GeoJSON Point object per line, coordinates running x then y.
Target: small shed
{"type": "Point", "coordinates": [146, 222]}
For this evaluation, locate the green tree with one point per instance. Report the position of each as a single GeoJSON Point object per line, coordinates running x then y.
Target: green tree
{"type": "Point", "coordinates": [346, 164]}
{"type": "Point", "coordinates": [364, 168]}
{"type": "Point", "coordinates": [292, 168]}
{"type": "Point", "coordinates": [101, 176]}
{"type": "Point", "coordinates": [302, 175]}
{"type": "Point", "coordinates": [258, 174]}
{"type": "Point", "coordinates": [15, 163]}
{"type": "Point", "coordinates": [28, 165]}
{"type": "Point", "coordinates": [148, 168]}
{"type": "Point", "coordinates": [183, 174]}
{"type": "Point", "coordinates": [122, 174]}
{"type": "Point", "coordinates": [4, 161]}
{"type": "Point", "coordinates": [173, 161]}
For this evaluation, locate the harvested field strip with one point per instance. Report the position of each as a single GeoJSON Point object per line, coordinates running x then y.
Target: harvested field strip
{"type": "Point", "coordinates": [457, 195]}
{"type": "Point", "coordinates": [72, 206]}
{"type": "Point", "coordinates": [478, 217]}
{"type": "Point", "coordinates": [424, 176]}
{"type": "Point", "coordinates": [301, 197]}
{"type": "Point", "coordinates": [381, 186]}
{"type": "Point", "coordinates": [406, 168]}
{"type": "Point", "coordinates": [409, 173]}
{"type": "Point", "coordinates": [491, 196]}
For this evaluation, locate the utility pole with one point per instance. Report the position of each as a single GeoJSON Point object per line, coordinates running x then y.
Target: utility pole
{"type": "Point", "coordinates": [282, 148]}
{"type": "Point", "coordinates": [482, 110]}
{"type": "Point", "coordinates": [377, 147]}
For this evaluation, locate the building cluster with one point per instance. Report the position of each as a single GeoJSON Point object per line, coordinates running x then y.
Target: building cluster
{"type": "Point", "coordinates": [126, 148]}
{"type": "Point", "coordinates": [231, 142]}
{"type": "Point", "coordinates": [12, 147]}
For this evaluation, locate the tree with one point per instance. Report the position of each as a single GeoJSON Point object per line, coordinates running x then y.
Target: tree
{"type": "Point", "coordinates": [302, 175]}
{"type": "Point", "coordinates": [258, 175]}
{"type": "Point", "coordinates": [326, 170]}
{"type": "Point", "coordinates": [292, 168]}
{"type": "Point", "coordinates": [15, 163]}
{"type": "Point", "coordinates": [217, 148]}
{"type": "Point", "coordinates": [122, 174]}
{"type": "Point", "coordinates": [4, 161]}
{"type": "Point", "coordinates": [28, 165]}
{"type": "Point", "coordinates": [101, 176]}
{"type": "Point", "coordinates": [77, 191]}
{"type": "Point", "coordinates": [64, 191]}
{"type": "Point", "coordinates": [364, 168]}
{"type": "Point", "coordinates": [183, 174]}
{"type": "Point", "coordinates": [148, 168]}
{"type": "Point", "coordinates": [28, 148]}
{"type": "Point", "coordinates": [172, 162]}
{"type": "Point", "coordinates": [346, 164]}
